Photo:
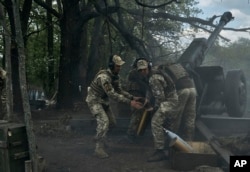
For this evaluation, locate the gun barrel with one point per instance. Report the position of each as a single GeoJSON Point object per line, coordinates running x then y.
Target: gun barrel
{"type": "Point", "coordinates": [193, 56]}
{"type": "Point", "coordinates": [225, 18]}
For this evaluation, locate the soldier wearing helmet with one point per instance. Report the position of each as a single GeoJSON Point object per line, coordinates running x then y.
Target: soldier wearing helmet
{"type": "Point", "coordinates": [105, 85]}
{"type": "Point", "coordinates": [165, 108]}
{"type": "Point", "coordinates": [137, 86]}
{"type": "Point", "coordinates": [175, 102]}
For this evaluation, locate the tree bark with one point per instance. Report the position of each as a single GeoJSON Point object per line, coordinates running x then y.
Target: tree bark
{"type": "Point", "coordinates": [51, 65]}
{"type": "Point", "coordinates": [17, 100]}
{"type": "Point", "coordinates": [7, 56]}
{"type": "Point", "coordinates": [68, 86]}
{"type": "Point", "coordinates": [23, 83]}
{"type": "Point", "coordinates": [94, 55]}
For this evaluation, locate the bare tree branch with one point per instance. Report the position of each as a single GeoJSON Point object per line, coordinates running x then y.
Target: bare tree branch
{"type": "Point", "coordinates": [45, 6]}
{"type": "Point", "coordinates": [195, 21]}
{"type": "Point", "coordinates": [156, 6]}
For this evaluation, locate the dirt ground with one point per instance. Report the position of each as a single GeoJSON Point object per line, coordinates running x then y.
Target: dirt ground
{"type": "Point", "coordinates": [67, 150]}
{"type": "Point", "coordinates": [75, 154]}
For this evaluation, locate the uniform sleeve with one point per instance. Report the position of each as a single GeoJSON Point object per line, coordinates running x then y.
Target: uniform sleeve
{"type": "Point", "coordinates": [111, 92]}
{"type": "Point", "coordinates": [122, 91]}
{"type": "Point", "coordinates": [157, 85]}
{"type": "Point", "coordinates": [127, 95]}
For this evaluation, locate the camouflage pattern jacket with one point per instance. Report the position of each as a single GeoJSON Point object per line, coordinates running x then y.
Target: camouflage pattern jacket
{"type": "Point", "coordinates": [107, 85]}
{"type": "Point", "coordinates": [162, 87]}
{"type": "Point", "coordinates": [179, 75]}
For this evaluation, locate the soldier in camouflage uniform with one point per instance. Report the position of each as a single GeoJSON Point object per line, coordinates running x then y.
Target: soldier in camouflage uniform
{"type": "Point", "coordinates": [105, 85]}
{"type": "Point", "coordinates": [138, 86]}
{"type": "Point", "coordinates": [184, 122]}
{"type": "Point", "coordinates": [166, 101]}
{"type": "Point", "coordinates": [3, 110]}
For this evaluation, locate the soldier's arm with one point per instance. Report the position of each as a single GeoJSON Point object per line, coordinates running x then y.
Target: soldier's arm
{"type": "Point", "coordinates": [123, 92]}
{"type": "Point", "coordinates": [110, 91]}
{"type": "Point", "coordinates": [126, 94]}
{"type": "Point", "coordinates": [105, 82]}
{"type": "Point", "coordinates": [156, 83]}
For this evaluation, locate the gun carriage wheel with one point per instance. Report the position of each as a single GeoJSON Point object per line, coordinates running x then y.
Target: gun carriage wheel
{"type": "Point", "coordinates": [235, 93]}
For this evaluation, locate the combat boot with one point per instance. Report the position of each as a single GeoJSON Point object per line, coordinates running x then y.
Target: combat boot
{"type": "Point", "coordinates": [99, 151]}
{"type": "Point", "coordinates": [158, 155]}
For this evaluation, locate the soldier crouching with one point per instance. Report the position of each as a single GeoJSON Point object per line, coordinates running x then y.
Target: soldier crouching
{"type": "Point", "coordinates": [105, 85]}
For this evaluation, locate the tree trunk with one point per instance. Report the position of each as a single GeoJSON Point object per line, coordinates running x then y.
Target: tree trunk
{"type": "Point", "coordinates": [17, 99]}
{"type": "Point", "coordinates": [94, 55]}
{"type": "Point", "coordinates": [69, 77]}
{"type": "Point", "coordinates": [24, 93]}
{"type": "Point", "coordinates": [51, 65]}
{"type": "Point", "coordinates": [7, 56]}
{"type": "Point", "coordinates": [83, 63]}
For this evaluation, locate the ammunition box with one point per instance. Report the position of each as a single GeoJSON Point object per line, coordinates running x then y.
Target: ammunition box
{"type": "Point", "coordinates": [203, 155]}
{"type": "Point", "coordinates": [14, 149]}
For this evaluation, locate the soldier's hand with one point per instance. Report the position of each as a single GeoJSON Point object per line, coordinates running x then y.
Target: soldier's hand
{"type": "Point", "coordinates": [136, 105]}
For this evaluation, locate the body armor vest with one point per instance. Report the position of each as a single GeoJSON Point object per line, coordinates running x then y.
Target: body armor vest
{"type": "Point", "coordinates": [176, 71]}
{"type": "Point", "coordinates": [170, 83]}
{"type": "Point", "coordinates": [98, 88]}
{"type": "Point", "coordinates": [179, 75]}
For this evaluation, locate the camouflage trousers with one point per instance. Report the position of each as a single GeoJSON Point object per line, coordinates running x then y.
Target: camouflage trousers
{"type": "Point", "coordinates": [166, 111]}
{"type": "Point", "coordinates": [184, 123]}
{"type": "Point", "coordinates": [105, 119]}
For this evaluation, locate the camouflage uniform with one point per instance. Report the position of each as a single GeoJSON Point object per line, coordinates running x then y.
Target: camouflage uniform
{"type": "Point", "coordinates": [104, 86]}
{"type": "Point", "coordinates": [138, 86]}
{"type": "Point", "coordinates": [166, 101]}
{"type": "Point", "coordinates": [3, 108]}
{"type": "Point", "coordinates": [184, 121]}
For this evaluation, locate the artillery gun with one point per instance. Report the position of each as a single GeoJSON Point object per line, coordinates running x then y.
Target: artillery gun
{"type": "Point", "coordinates": [217, 93]}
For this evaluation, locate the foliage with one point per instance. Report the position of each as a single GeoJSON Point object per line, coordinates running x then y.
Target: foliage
{"type": "Point", "coordinates": [36, 50]}
{"type": "Point", "coordinates": [234, 55]}
{"type": "Point", "coordinates": [124, 27]}
{"type": "Point", "coordinates": [161, 37]}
